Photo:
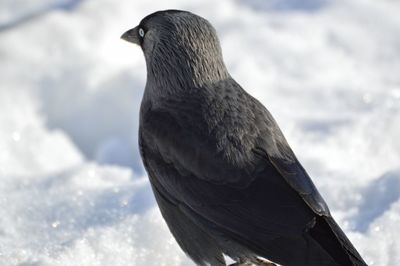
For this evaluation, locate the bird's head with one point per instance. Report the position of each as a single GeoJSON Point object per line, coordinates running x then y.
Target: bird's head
{"type": "Point", "coordinates": [179, 46]}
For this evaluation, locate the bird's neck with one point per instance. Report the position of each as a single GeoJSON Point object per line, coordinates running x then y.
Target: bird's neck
{"type": "Point", "coordinates": [174, 70]}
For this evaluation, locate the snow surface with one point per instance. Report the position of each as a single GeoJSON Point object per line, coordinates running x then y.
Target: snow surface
{"type": "Point", "coordinates": [72, 188]}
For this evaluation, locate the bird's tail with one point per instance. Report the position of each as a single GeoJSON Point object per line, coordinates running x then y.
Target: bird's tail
{"type": "Point", "coordinates": [331, 237]}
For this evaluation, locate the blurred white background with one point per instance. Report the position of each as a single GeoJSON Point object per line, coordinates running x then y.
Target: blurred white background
{"type": "Point", "coordinates": [72, 187]}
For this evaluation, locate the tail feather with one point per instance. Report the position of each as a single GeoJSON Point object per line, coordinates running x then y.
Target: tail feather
{"type": "Point", "coordinates": [331, 237]}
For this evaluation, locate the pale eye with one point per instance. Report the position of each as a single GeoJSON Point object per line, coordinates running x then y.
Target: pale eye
{"type": "Point", "coordinates": [141, 32]}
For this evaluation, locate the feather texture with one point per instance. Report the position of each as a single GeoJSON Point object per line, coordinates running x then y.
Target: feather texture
{"type": "Point", "coordinates": [223, 174]}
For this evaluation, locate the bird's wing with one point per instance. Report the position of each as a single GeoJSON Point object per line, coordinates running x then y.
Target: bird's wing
{"type": "Point", "coordinates": [267, 217]}
{"type": "Point", "coordinates": [295, 175]}
{"type": "Point", "coordinates": [267, 209]}
{"type": "Point", "coordinates": [190, 154]}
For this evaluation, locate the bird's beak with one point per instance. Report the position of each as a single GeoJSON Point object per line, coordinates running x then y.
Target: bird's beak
{"type": "Point", "coordinates": [131, 36]}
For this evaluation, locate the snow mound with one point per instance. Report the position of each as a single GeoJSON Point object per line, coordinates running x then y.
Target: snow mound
{"type": "Point", "coordinates": [72, 186]}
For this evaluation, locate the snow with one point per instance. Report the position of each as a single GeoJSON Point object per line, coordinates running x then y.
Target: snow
{"type": "Point", "coordinates": [72, 187]}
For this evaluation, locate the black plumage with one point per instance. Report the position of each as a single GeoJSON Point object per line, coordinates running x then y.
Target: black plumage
{"type": "Point", "coordinates": [224, 177]}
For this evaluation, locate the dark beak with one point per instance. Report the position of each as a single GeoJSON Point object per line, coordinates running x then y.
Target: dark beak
{"type": "Point", "coordinates": [131, 36]}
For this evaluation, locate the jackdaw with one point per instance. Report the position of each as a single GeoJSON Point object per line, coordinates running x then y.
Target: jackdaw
{"type": "Point", "coordinates": [224, 177]}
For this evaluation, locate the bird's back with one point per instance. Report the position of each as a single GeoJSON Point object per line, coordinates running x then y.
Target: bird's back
{"type": "Point", "coordinates": [243, 206]}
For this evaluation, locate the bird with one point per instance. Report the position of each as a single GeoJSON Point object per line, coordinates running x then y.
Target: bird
{"type": "Point", "coordinates": [223, 175]}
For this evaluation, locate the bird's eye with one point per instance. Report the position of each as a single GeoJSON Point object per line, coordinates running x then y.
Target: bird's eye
{"type": "Point", "coordinates": [141, 32]}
